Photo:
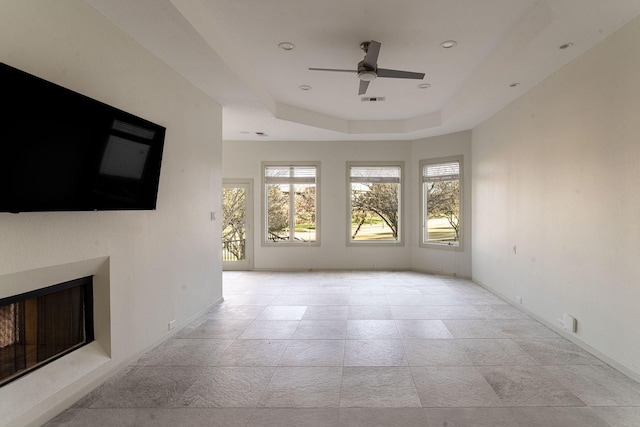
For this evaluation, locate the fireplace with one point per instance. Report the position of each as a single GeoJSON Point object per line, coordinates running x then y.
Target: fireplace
{"type": "Point", "coordinates": [40, 326]}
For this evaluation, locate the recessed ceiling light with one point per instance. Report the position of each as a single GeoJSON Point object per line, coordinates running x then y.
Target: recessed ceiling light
{"type": "Point", "coordinates": [448, 44]}
{"type": "Point", "coordinates": [286, 46]}
{"type": "Point", "coordinates": [424, 86]}
{"type": "Point", "coordinates": [516, 84]}
{"type": "Point", "coordinates": [565, 46]}
{"type": "Point", "coordinates": [305, 87]}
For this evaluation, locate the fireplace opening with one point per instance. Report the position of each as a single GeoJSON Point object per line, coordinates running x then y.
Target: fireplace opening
{"type": "Point", "coordinates": [40, 326]}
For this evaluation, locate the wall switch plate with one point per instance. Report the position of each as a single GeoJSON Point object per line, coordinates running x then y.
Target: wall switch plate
{"type": "Point", "coordinates": [172, 324]}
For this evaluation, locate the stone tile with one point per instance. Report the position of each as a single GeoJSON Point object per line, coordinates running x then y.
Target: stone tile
{"type": "Point", "coordinates": [144, 387]}
{"type": "Point", "coordinates": [374, 353]}
{"type": "Point", "coordinates": [389, 387]}
{"type": "Point", "coordinates": [327, 312]}
{"type": "Point", "coordinates": [382, 417]}
{"type": "Point", "coordinates": [286, 417]}
{"type": "Point", "coordinates": [270, 330]}
{"type": "Point", "coordinates": [370, 312]}
{"type": "Point", "coordinates": [557, 351]}
{"type": "Point", "coordinates": [409, 300]}
{"type": "Point", "coordinates": [303, 387]}
{"type": "Point", "coordinates": [495, 352]}
{"type": "Point", "coordinates": [434, 353]}
{"type": "Point", "coordinates": [598, 385]}
{"type": "Point", "coordinates": [314, 353]}
{"type": "Point", "coordinates": [528, 386]}
{"type": "Point", "coordinates": [153, 417]}
{"type": "Point", "coordinates": [340, 299]}
{"type": "Point", "coordinates": [317, 290]}
{"type": "Point", "coordinates": [422, 329]}
{"type": "Point", "coordinates": [234, 312]}
{"type": "Point", "coordinates": [453, 386]}
{"type": "Point", "coordinates": [282, 312]}
{"type": "Point", "coordinates": [523, 328]}
{"type": "Point", "coordinates": [473, 329]}
{"type": "Point", "coordinates": [227, 387]}
{"type": "Point", "coordinates": [369, 290]}
{"type": "Point", "coordinates": [185, 352]}
{"type": "Point", "coordinates": [220, 329]}
{"type": "Point", "coordinates": [404, 312]}
{"type": "Point", "coordinates": [190, 327]}
{"type": "Point", "coordinates": [253, 353]}
{"type": "Point", "coordinates": [402, 290]}
{"type": "Point", "coordinates": [619, 416]}
{"type": "Point", "coordinates": [436, 290]}
{"type": "Point", "coordinates": [503, 311]}
{"type": "Point", "coordinates": [372, 329]}
{"type": "Point", "coordinates": [248, 299]}
{"type": "Point", "coordinates": [471, 417]}
{"type": "Point", "coordinates": [321, 329]}
{"type": "Point", "coordinates": [365, 299]}
{"type": "Point", "coordinates": [565, 417]}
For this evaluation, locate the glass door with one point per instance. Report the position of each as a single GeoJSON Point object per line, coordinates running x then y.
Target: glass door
{"type": "Point", "coordinates": [237, 237]}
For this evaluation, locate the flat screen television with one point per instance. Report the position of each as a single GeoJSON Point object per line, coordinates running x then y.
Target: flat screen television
{"type": "Point", "coordinates": [63, 151]}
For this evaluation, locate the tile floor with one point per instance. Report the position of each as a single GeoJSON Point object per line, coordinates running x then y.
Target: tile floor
{"type": "Point", "coordinates": [361, 349]}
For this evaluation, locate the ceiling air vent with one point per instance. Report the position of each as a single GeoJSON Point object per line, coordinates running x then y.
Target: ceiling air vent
{"type": "Point", "coordinates": [373, 98]}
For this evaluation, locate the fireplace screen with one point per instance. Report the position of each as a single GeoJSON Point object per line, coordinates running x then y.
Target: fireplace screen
{"type": "Point", "coordinates": [39, 326]}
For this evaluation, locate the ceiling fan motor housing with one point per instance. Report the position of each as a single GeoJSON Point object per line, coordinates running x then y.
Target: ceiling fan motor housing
{"type": "Point", "coordinates": [365, 73]}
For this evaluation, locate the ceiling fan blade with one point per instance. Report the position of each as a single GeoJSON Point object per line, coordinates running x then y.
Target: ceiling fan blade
{"type": "Point", "coordinates": [371, 58]}
{"type": "Point", "coordinates": [383, 72]}
{"type": "Point", "coordinates": [364, 84]}
{"type": "Point", "coordinates": [333, 69]}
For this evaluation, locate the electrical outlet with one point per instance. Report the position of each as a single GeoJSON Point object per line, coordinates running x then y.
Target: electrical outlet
{"type": "Point", "coordinates": [519, 300]}
{"type": "Point", "coordinates": [569, 323]}
{"type": "Point", "coordinates": [172, 324]}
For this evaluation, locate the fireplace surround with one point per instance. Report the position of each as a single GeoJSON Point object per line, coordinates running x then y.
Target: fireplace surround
{"type": "Point", "coordinates": [76, 372]}
{"type": "Point", "coordinates": [39, 326]}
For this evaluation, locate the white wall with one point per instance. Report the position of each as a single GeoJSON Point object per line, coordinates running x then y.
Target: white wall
{"type": "Point", "coordinates": [556, 174]}
{"type": "Point", "coordinates": [162, 265]}
{"type": "Point", "coordinates": [242, 159]}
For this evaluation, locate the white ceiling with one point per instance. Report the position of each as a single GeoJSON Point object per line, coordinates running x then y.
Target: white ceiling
{"type": "Point", "coordinates": [229, 49]}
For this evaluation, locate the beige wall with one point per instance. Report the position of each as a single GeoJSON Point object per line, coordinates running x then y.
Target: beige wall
{"type": "Point", "coordinates": [161, 265]}
{"type": "Point", "coordinates": [556, 174]}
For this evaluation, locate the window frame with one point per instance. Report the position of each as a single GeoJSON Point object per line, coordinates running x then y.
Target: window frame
{"type": "Point", "coordinates": [264, 208]}
{"type": "Point", "coordinates": [400, 240]}
{"type": "Point", "coordinates": [422, 208]}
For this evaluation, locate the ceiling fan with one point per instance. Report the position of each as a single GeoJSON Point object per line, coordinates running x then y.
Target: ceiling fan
{"type": "Point", "coordinates": [368, 68]}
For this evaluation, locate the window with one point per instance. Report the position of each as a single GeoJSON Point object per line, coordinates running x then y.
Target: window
{"type": "Point", "coordinates": [290, 203]}
{"type": "Point", "coordinates": [441, 202]}
{"type": "Point", "coordinates": [375, 202]}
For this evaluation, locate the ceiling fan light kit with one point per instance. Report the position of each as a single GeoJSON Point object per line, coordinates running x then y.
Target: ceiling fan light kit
{"type": "Point", "coordinates": [368, 68]}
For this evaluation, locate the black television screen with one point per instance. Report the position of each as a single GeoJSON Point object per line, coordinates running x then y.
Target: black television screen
{"type": "Point", "coordinates": [63, 151]}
